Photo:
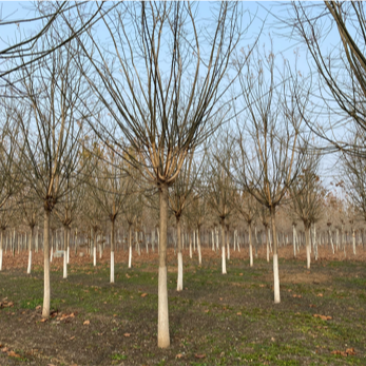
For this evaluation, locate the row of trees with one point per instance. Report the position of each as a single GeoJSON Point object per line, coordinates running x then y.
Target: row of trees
{"type": "Point", "coordinates": [152, 95]}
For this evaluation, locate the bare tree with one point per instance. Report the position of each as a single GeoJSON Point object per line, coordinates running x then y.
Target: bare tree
{"type": "Point", "coordinates": [268, 161]}
{"type": "Point", "coordinates": [221, 192]}
{"type": "Point", "coordinates": [305, 195]}
{"type": "Point", "coordinates": [162, 91]}
{"type": "Point", "coordinates": [51, 135]}
{"type": "Point", "coordinates": [342, 72]}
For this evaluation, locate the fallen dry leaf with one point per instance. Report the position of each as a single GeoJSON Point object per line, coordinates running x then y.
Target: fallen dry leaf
{"type": "Point", "coordinates": [341, 353]}
{"type": "Point", "coordinates": [200, 355]}
{"type": "Point", "coordinates": [144, 294]}
{"type": "Point", "coordinates": [5, 349]}
{"type": "Point", "coordinates": [71, 338]}
{"type": "Point", "coordinates": [127, 335]}
{"type": "Point", "coordinates": [350, 351]}
{"type": "Point", "coordinates": [128, 276]}
{"type": "Point", "coordinates": [262, 285]}
{"type": "Point", "coordinates": [206, 311]}
{"type": "Point", "coordinates": [320, 295]}
{"type": "Point", "coordinates": [87, 322]}
{"type": "Point", "coordinates": [239, 313]}
{"type": "Point", "coordinates": [312, 306]}
{"type": "Point", "coordinates": [43, 320]}
{"type": "Point", "coordinates": [323, 317]}
{"type": "Point", "coordinates": [13, 354]}
{"type": "Point", "coordinates": [179, 355]}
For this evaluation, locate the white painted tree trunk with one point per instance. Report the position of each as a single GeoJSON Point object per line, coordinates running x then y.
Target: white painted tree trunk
{"type": "Point", "coordinates": [29, 269]}
{"type": "Point", "coordinates": [1, 250]}
{"type": "Point", "coordinates": [199, 247]}
{"type": "Point", "coordinates": [250, 246]}
{"type": "Point", "coordinates": [153, 240]}
{"type": "Point", "coordinates": [190, 247]}
{"type": "Point", "coordinates": [294, 239]}
{"type": "Point", "coordinates": [46, 267]}
{"type": "Point", "coordinates": [180, 257]}
{"type": "Point", "coordinates": [180, 272]}
{"type": "Point", "coordinates": [130, 257]}
{"type": "Point", "coordinates": [228, 246]}
{"type": "Point", "coordinates": [163, 309]}
{"type": "Point", "coordinates": [130, 247]}
{"type": "Point", "coordinates": [223, 256]}
{"type": "Point", "coordinates": [276, 274]}
{"type": "Point", "coordinates": [213, 240]}
{"type": "Point", "coordinates": [65, 254]}
{"type": "Point", "coordinates": [307, 244]}
{"type": "Point", "coordinates": [112, 267]}
{"type": "Point", "coordinates": [94, 255]}
{"type": "Point", "coordinates": [237, 241]}
{"type": "Point", "coordinates": [194, 240]}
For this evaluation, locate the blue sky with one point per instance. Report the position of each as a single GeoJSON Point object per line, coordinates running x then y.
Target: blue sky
{"type": "Point", "coordinates": [284, 46]}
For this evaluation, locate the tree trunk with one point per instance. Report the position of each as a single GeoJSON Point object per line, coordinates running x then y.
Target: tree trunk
{"type": "Point", "coordinates": [199, 247]}
{"type": "Point", "coordinates": [112, 251]}
{"type": "Point", "coordinates": [1, 250]}
{"type": "Point", "coordinates": [30, 238]}
{"type": "Point", "coordinates": [223, 257]}
{"type": "Point", "coordinates": [95, 249]}
{"type": "Point", "coordinates": [190, 247]}
{"type": "Point", "coordinates": [46, 266]}
{"type": "Point", "coordinates": [276, 275]}
{"type": "Point", "coordinates": [294, 239]}
{"type": "Point", "coordinates": [180, 259]}
{"type": "Point", "coordinates": [130, 246]}
{"type": "Point", "coordinates": [354, 241]}
{"type": "Point", "coordinates": [163, 310]}
{"type": "Point", "coordinates": [65, 253]}
{"type": "Point", "coordinates": [307, 245]}
{"type": "Point", "coordinates": [250, 246]}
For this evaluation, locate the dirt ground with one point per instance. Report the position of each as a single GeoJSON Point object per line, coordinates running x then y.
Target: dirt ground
{"type": "Point", "coordinates": [216, 320]}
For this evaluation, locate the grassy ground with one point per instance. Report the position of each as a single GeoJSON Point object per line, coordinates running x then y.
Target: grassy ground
{"type": "Point", "coordinates": [216, 320]}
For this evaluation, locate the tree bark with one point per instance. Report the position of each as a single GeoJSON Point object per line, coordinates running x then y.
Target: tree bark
{"type": "Point", "coordinates": [276, 275]}
{"type": "Point", "coordinates": [130, 246]}
{"type": "Point", "coordinates": [199, 247]}
{"type": "Point", "coordinates": [180, 258]}
{"type": "Point", "coordinates": [65, 253]}
{"type": "Point", "coordinates": [1, 250]}
{"type": "Point", "coordinates": [163, 310]}
{"type": "Point", "coordinates": [112, 251]}
{"type": "Point", "coordinates": [307, 245]}
{"type": "Point", "coordinates": [223, 257]}
{"type": "Point", "coordinates": [250, 246]}
{"type": "Point", "coordinates": [46, 266]}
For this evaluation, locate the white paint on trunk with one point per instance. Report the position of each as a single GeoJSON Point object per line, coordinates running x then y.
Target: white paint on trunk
{"type": "Point", "coordinates": [199, 249]}
{"type": "Point", "coordinates": [308, 258]}
{"type": "Point", "coordinates": [267, 252]}
{"type": "Point", "coordinates": [294, 239]}
{"type": "Point", "coordinates": [180, 272]}
{"type": "Point", "coordinates": [94, 256]}
{"type": "Point", "coordinates": [112, 267]}
{"type": "Point", "coordinates": [269, 239]}
{"type": "Point", "coordinates": [65, 264]}
{"type": "Point", "coordinates": [100, 251]}
{"type": "Point", "coordinates": [276, 279]}
{"type": "Point", "coordinates": [190, 248]}
{"type": "Point", "coordinates": [223, 260]}
{"type": "Point", "coordinates": [29, 262]}
{"type": "Point", "coordinates": [130, 257]}
{"type": "Point", "coordinates": [251, 255]}
{"type": "Point", "coordinates": [163, 311]}
{"type": "Point", "coordinates": [228, 250]}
